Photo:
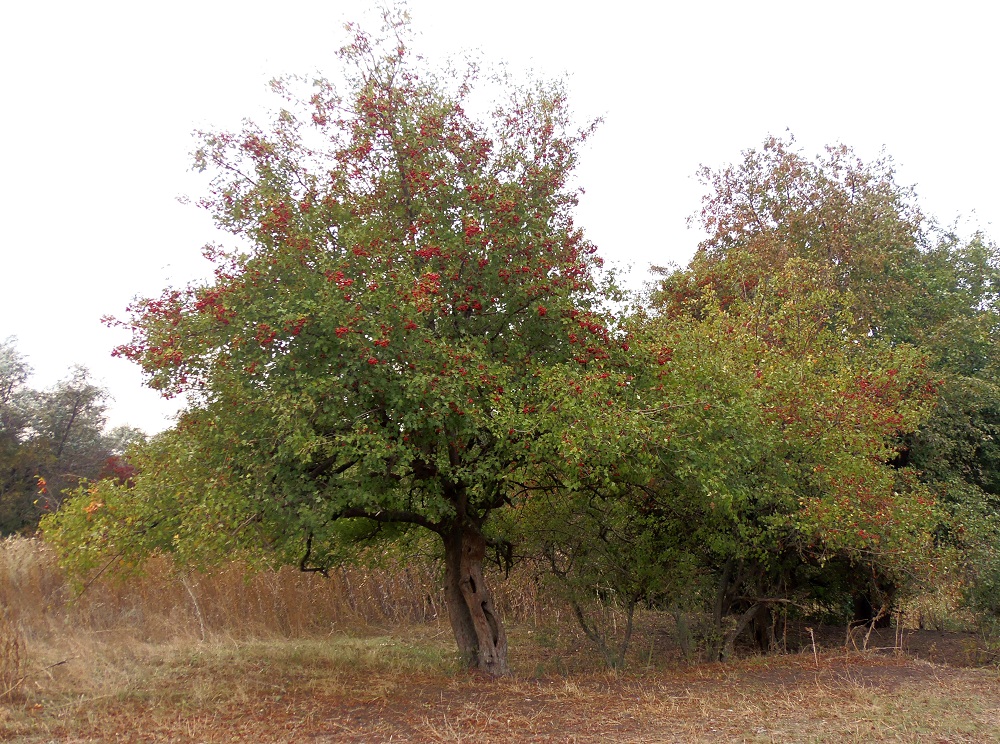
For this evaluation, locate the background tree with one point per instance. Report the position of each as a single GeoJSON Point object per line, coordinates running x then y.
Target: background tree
{"type": "Point", "coordinates": [67, 425]}
{"type": "Point", "coordinates": [957, 324]}
{"type": "Point", "coordinates": [896, 277]}
{"type": "Point", "coordinates": [849, 218]}
{"type": "Point", "coordinates": [368, 362]}
{"type": "Point", "coordinates": [51, 440]}
{"type": "Point", "coordinates": [782, 435]}
{"type": "Point", "coordinates": [17, 456]}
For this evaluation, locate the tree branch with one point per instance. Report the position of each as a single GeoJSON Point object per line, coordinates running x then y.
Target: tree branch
{"type": "Point", "coordinates": [386, 516]}
{"type": "Point", "coordinates": [323, 466]}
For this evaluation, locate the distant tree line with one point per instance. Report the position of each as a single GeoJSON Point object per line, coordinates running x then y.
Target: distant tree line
{"type": "Point", "coordinates": [52, 440]}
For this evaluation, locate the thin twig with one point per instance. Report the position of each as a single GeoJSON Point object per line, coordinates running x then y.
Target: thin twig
{"type": "Point", "coordinates": [815, 654]}
{"type": "Point", "coordinates": [19, 680]}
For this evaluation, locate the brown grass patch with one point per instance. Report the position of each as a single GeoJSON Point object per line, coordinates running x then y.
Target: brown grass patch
{"type": "Point", "coordinates": [406, 689]}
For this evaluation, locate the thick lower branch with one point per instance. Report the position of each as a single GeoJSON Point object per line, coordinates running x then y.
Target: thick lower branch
{"type": "Point", "coordinates": [386, 516]}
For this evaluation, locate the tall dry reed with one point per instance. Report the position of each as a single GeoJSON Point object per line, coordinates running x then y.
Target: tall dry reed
{"type": "Point", "coordinates": [12, 656]}
{"type": "Point", "coordinates": [231, 600]}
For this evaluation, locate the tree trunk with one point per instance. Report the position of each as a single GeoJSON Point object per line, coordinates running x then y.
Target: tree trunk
{"type": "Point", "coordinates": [763, 630]}
{"type": "Point", "coordinates": [478, 628]}
{"type": "Point", "coordinates": [729, 645]}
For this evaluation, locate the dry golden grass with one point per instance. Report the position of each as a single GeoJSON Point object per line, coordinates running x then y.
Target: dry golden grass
{"type": "Point", "coordinates": [367, 656]}
{"type": "Point", "coordinates": [12, 657]}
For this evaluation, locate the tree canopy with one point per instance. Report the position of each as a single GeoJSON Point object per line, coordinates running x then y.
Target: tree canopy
{"type": "Point", "coordinates": [372, 353]}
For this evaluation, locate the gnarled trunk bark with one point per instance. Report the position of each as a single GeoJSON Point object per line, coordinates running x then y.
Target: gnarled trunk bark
{"type": "Point", "coordinates": [477, 625]}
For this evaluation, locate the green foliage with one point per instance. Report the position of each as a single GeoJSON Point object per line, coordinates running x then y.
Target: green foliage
{"type": "Point", "coordinates": [788, 440]}
{"type": "Point", "coordinates": [860, 230]}
{"type": "Point", "coordinates": [411, 272]}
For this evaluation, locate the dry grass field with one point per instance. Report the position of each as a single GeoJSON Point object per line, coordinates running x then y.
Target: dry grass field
{"type": "Point", "coordinates": [289, 657]}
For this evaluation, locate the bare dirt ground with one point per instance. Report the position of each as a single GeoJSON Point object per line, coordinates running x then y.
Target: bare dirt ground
{"type": "Point", "coordinates": [388, 688]}
{"type": "Point", "coordinates": [957, 649]}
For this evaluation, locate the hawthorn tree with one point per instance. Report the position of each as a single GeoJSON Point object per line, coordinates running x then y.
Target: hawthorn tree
{"type": "Point", "coordinates": [893, 281]}
{"type": "Point", "coordinates": [765, 461]}
{"type": "Point", "coordinates": [748, 460]}
{"type": "Point", "coordinates": [367, 360]}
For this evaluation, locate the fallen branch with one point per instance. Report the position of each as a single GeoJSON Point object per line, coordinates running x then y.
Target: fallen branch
{"type": "Point", "coordinates": [23, 677]}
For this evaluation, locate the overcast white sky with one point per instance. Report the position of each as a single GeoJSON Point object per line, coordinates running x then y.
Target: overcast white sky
{"type": "Point", "coordinates": [101, 96]}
